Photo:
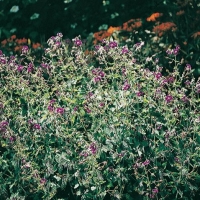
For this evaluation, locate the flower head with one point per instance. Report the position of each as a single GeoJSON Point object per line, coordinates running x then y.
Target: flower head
{"type": "Point", "coordinates": [146, 162]}
{"type": "Point", "coordinates": [126, 86]}
{"type": "Point", "coordinates": [113, 44]}
{"type": "Point", "coordinates": [36, 126]}
{"type": "Point", "coordinates": [43, 181]}
{"type": "Point", "coordinates": [188, 67]}
{"type": "Point", "coordinates": [60, 110]}
{"type": "Point", "coordinates": [124, 50]}
{"type": "Point", "coordinates": [93, 148]}
{"type": "Point", "coordinates": [168, 98]}
{"type": "Point", "coordinates": [25, 49]}
{"type": "Point", "coordinates": [77, 42]}
{"type": "Point", "coordinates": [20, 68]}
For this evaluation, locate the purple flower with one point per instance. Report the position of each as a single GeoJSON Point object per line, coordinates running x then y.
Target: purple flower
{"type": "Point", "coordinates": [101, 73]}
{"type": "Point", "coordinates": [95, 71]}
{"type": "Point", "coordinates": [169, 51]}
{"type": "Point", "coordinates": [168, 98]}
{"type": "Point", "coordinates": [97, 79]}
{"type": "Point", "coordinates": [158, 75]}
{"type": "Point", "coordinates": [170, 79]}
{"type": "Point", "coordinates": [87, 110]}
{"type": "Point", "coordinates": [59, 35]}
{"type": "Point", "coordinates": [155, 190]}
{"type": "Point", "coordinates": [85, 154]}
{"type": "Point", "coordinates": [159, 126]}
{"type": "Point", "coordinates": [45, 65]}
{"type": "Point", "coordinates": [113, 44]}
{"type": "Point", "coordinates": [176, 159]}
{"type": "Point", "coordinates": [20, 68]}
{"type": "Point", "coordinates": [187, 82]}
{"type": "Point", "coordinates": [184, 99]}
{"type": "Point", "coordinates": [25, 49]}
{"type": "Point", "coordinates": [12, 139]}
{"type": "Point", "coordinates": [126, 86]}
{"type": "Point", "coordinates": [188, 67]}
{"type": "Point", "coordinates": [177, 47]}
{"type": "Point", "coordinates": [36, 126]}
{"type": "Point", "coordinates": [175, 51]}
{"type": "Point", "coordinates": [106, 48]}
{"type": "Point", "coordinates": [60, 110]}
{"type": "Point", "coordinates": [50, 108]}
{"type": "Point", "coordinates": [124, 50]}
{"type": "Point", "coordinates": [97, 47]}
{"type": "Point", "coordinates": [146, 162]}
{"type": "Point", "coordinates": [58, 44]}
{"type": "Point", "coordinates": [75, 108]}
{"type": "Point", "coordinates": [139, 94]}
{"type": "Point", "coordinates": [12, 57]}
{"type": "Point", "coordinates": [77, 42]}
{"type": "Point", "coordinates": [124, 71]}
{"type": "Point", "coordinates": [101, 104]}
{"type": "Point", "coordinates": [3, 126]}
{"type": "Point", "coordinates": [43, 181]}
{"type": "Point", "coordinates": [3, 60]}
{"type": "Point", "coordinates": [93, 148]}
{"type": "Point", "coordinates": [52, 101]}
{"type": "Point", "coordinates": [30, 67]}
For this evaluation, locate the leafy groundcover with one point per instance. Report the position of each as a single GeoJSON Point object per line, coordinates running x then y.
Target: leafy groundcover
{"type": "Point", "coordinates": [98, 126]}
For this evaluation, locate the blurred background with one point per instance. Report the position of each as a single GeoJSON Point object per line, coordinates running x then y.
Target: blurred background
{"type": "Point", "coordinates": [160, 23]}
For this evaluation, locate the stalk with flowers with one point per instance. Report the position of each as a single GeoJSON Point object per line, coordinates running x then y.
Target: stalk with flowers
{"type": "Point", "coordinates": [100, 127]}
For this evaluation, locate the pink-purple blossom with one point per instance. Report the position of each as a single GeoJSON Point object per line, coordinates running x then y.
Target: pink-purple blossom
{"type": "Point", "coordinates": [60, 110]}
{"type": "Point", "coordinates": [168, 98]}
{"type": "Point", "coordinates": [36, 126]}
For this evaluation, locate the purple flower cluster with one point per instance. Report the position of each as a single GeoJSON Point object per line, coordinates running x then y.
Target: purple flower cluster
{"type": "Point", "coordinates": [51, 108]}
{"type": "Point", "coordinates": [126, 86]}
{"type": "Point", "coordinates": [113, 44]}
{"type": "Point", "coordinates": [99, 74]}
{"type": "Point", "coordinates": [93, 148]}
{"type": "Point", "coordinates": [20, 68]}
{"type": "Point", "coordinates": [154, 192]}
{"type": "Point", "coordinates": [174, 51]}
{"type": "Point", "coordinates": [36, 126]}
{"type": "Point", "coordinates": [77, 42]}
{"type": "Point", "coordinates": [125, 50]}
{"type": "Point", "coordinates": [30, 67]}
{"type": "Point", "coordinates": [3, 126]}
{"type": "Point", "coordinates": [168, 98]}
{"type": "Point", "coordinates": [25, 50]}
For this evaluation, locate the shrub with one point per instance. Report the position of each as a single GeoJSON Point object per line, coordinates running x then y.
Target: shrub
{"type": "Point", "coordinates": [98, 127]}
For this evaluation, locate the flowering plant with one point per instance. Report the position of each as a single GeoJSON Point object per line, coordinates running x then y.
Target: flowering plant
{"type": "Point", "coordinates": [100, 127]}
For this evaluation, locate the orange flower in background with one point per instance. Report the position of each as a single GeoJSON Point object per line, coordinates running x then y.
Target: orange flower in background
{"type": "Point", "coordinates": [181, 12]}
{"type": "Point", "coordinates": [36, 45]}
{"type": "Point", "coordinates": [132, 24]}
{"type": "Point", "coordinates": [18, 48]}
{"type": "Point", "coordinates": [164, 27]}
{"type": "Point", "coordinates": [21, 41]}
{"type": "Point", "coordinates": [100, 36]}
{"type": "Point", "coordinates": [154, 17]}
{"type": "Point", "coordinates": [195, 35]}
{"type": "Point", "coordinates": [112, 29]}
{"type": "Point", "coordinates": [3, 43]}
{"type": "Point", "coordinates": [13, 37]}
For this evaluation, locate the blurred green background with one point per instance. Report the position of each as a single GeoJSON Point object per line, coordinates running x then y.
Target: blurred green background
{"type": "Point", "coordinates": [37, 20]}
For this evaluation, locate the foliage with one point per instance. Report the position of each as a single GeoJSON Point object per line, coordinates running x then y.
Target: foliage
{"type": "Point", "coordinates": [99, 125]}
